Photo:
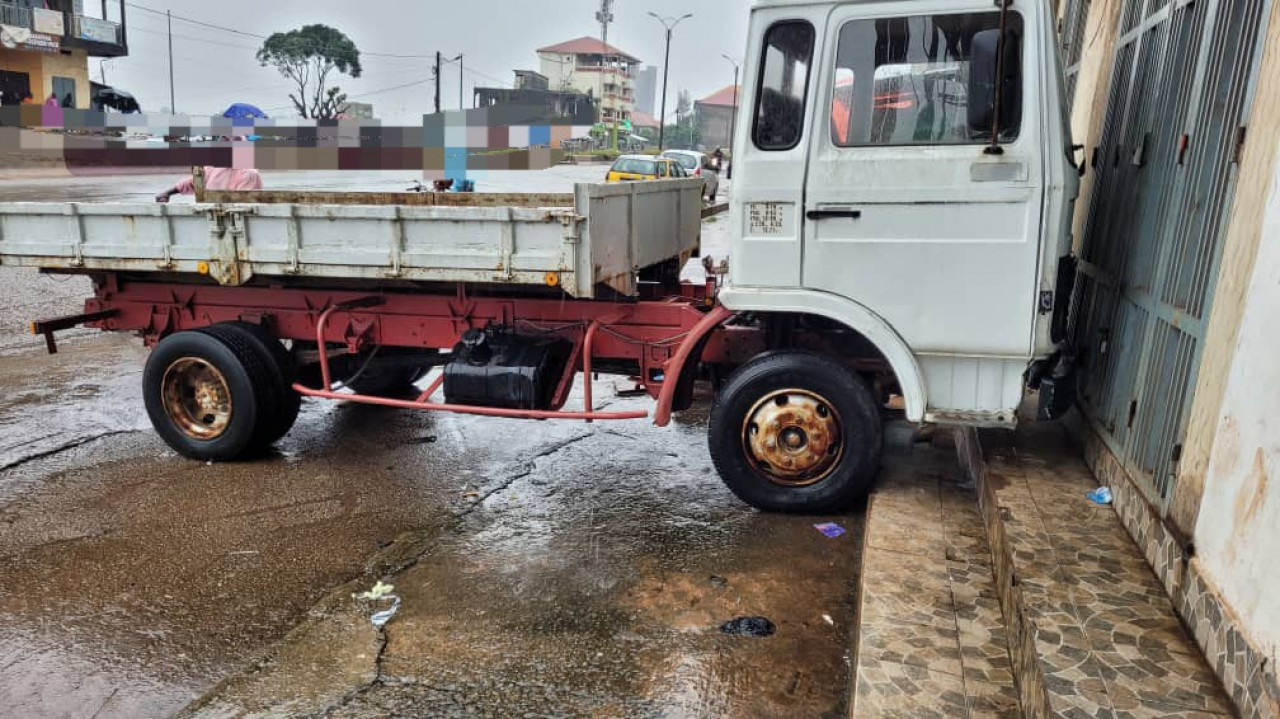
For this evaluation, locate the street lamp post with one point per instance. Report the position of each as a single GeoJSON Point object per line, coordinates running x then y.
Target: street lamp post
{"type": "Point", "coordinates": [733, 123]}
{"type": "Point", "coordinates": [669, 24]}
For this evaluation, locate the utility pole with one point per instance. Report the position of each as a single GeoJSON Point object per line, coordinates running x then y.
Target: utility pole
{"type": "Point", "coordinates": [669, 24]}
{"type": "Point", "coordinates": [173, 102]}
{"type": "Point", "coordinates": [604, 17]}
{"type": "Point", "coordinates": [733, 123]}
{"type": "Point", "coordinates": [437, 82]}
{"type": "Point", "coordinates": [461, 105]}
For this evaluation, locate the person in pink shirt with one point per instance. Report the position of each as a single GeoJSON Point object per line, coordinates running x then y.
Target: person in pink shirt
{"type": "Point", "coordinates": [216, 178]}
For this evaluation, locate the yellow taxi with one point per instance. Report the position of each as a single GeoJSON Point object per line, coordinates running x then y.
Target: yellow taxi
{"type": "Point", "coordinates": [629, 168]}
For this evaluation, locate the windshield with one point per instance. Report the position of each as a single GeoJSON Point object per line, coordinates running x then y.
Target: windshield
{"type": "Point", "coordinates": [635, 166]}
{"type": "Point", "coordinates": [688, 162]}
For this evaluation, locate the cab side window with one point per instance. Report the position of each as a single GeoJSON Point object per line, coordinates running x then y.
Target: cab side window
{"type": "Point", "coordinates": [783, 85]}
{"type": "Point", "coordinates": [923, 80]}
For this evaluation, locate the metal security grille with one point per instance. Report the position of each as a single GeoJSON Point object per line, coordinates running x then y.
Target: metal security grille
{"type": "Point", "coordinates": [1072, 31]}
{"type": "Point", "coordinates": [1165, 169]}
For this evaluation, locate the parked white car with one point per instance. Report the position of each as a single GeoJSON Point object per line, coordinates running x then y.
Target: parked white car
{"type": "Point", "coordinates": [698, 164]}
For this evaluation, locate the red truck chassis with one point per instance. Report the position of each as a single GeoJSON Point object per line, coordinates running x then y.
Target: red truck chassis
{"type": "Point", "coordinates": [661, 337]}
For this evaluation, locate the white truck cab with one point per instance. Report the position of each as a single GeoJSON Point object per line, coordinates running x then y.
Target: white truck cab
{"type": "Point", "coordinates": [877, 186]}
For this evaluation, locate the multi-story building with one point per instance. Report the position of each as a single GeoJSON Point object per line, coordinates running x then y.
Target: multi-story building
{"type": "Point", "coordinates": [647, 90]}
{"type": "Point", "coordinates": [588, 66]}
{"type": "Point", "coordinates": [45, 46]}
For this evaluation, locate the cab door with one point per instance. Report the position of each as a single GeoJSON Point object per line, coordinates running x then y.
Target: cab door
{"type": "Point", "coordinates": [907, 211]}
{"type": "Point", "coordinates": [770, 146]}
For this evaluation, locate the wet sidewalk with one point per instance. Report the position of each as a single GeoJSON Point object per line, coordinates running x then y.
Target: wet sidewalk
{"type": "Point", "coordinates": [1092, 631]}
{"type": "Point", "coordinates": [931, 634]}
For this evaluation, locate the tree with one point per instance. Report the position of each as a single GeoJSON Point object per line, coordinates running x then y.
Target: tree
{"type": "Point", "coordinates": [684, 105]}
{"type": "Point", "coordinates": [307, 56]}
{"type": "Point", "coordinates": [684, 134]}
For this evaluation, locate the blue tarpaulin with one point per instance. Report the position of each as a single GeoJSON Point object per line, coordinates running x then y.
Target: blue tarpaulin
{"type": "Point", "coordinates": [242, 111]}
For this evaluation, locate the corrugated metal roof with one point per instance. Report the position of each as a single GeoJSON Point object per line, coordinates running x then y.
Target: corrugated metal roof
{"type": "Point", "coordinates": [587, 45]}
{"type": "Point", "coordinates": [643, 119]}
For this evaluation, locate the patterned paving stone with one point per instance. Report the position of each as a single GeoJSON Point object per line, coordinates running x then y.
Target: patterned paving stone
{"type": "Point", "coordinates": [923, 645]}
{"type": "Point", "coordinates": [1165, 681]}
{"type": "Point", "coordinates": [1106, 639]}
{"type": "Point", "coordinates": [901, 588]}
{"type": "Point", "coordinates": [989, 700]}
{"type": "Point", "coordinates": [887, 689]}
{"type": "Point", "coordinates": [984, 656]}
{"type": "Point", "coordinates": [932, 635]}
{"type": "Point", "coordinates": [903, 533]}
{"type": "Point", "coordinates": [1105, 588]}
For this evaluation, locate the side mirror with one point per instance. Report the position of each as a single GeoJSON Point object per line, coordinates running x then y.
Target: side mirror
{"type": "Point", "coordinates": [982, 82]}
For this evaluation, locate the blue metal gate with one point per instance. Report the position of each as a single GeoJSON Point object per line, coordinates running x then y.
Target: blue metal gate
{"type": "Point", "coordinates": [1165, 167]}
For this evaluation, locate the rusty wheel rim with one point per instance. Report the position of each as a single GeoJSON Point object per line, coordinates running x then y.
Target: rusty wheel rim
{"type": "Point", "coordinates": [197, 398]}
{"type": "Point", "coordinates": [793, 437]}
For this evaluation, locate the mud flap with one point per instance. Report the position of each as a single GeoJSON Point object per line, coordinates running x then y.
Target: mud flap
{"type": "Point", "coordinates": [1055, 378]}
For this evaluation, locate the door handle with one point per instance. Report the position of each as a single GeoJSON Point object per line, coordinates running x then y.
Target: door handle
{"type": "Point", "coordinates": [831, 214]}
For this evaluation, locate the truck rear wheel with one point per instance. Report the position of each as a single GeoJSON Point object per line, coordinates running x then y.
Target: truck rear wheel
{"type": "Point", "coordinates": [285, 403]}
{"type": "Point", "coordinates": [796, 432]}
{"type": "Point", "coordinates": [206, 395]}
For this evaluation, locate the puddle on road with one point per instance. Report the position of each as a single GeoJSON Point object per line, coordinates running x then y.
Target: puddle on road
{"type": "Point", "coordinates": [600, 588]}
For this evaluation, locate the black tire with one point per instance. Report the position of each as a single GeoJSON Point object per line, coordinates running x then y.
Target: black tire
{"type": "Point", "coordinates": [245, 379]}
{"type": "Point", "coordinates": [287, 403]}
{"type": "Point", "coordinates": [828, 399]}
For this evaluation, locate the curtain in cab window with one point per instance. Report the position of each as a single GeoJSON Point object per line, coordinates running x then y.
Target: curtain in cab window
{"type": "Point", "coordinates": [907, 80]}
{"type": "Point", "coordinates": [784, 83]}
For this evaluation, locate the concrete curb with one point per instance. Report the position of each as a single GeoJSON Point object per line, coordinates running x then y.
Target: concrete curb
{"type": "Point", "coordinates": [1033, 696]}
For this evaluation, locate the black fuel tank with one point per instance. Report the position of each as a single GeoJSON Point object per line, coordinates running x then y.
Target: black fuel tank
{"type": "Point", "coordinates": [498, 368]}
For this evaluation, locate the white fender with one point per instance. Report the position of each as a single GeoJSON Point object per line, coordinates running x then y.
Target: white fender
{"type": "Point", "coordinates": [850, 314]}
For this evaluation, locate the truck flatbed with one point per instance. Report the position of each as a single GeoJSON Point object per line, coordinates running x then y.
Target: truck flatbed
{"type": "Point", "coordinates": [598, 236]}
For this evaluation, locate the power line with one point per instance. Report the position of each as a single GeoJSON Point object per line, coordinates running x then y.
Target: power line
{"type": "Point", "coordinates": [163, 33]}
{"type": "Point", "coordinates": [366, 94]}
{"type": "Point", "coordinates": [263, 37]}
{"type": "Point", "coordinates": [477, 73]}
{"type": "Point", "coordinates": [398, 56]}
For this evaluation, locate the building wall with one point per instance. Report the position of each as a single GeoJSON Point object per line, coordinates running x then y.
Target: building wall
{"type": "Point", "coordinates": [559, 71]}
{"type": "Point", "coordinates": [28, 63]}
{"type": "Point", "coordinates": [715, 124]}
{"type": "Point", "coordinates": [1239, 256]}
{"type": "Point", "coordinates": [42, 68]}
{"type": "Point", "coordinates": [1094, 83]}
{"type": "Point", "coordinates": [1238, 531]}
{"type": "Point", "coordinates": [74, 66]}
{"type": "Point", "coordinates": [647, 90]}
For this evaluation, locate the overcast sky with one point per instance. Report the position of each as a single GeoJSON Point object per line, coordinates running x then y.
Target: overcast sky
{"type": "Point", "coordinates": [496, 36]}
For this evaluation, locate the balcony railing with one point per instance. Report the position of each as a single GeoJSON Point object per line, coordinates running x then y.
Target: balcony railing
{"type": "Point", "coordinates": [95, 30]}
{"type": "Point", "coordinates": [15, 16]}
{"type": "Point", "coordinates": [604, 68]}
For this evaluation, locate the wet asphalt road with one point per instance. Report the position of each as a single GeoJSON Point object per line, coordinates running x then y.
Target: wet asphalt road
{"type": "Point", "coordinates": [549, 568]}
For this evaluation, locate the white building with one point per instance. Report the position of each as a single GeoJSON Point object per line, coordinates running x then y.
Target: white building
{"type": "Point", "coordinates": [589, 66]}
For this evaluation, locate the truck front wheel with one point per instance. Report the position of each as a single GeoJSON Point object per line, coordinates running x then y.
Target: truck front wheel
{"type": "Point", "coordinates": [796, 432]}
{"type": "Point", "coordinates": [207, 395]}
